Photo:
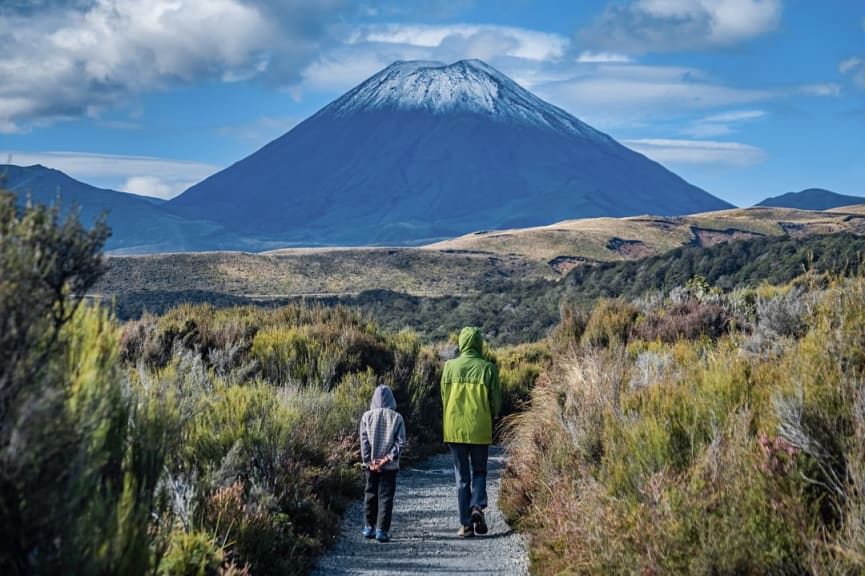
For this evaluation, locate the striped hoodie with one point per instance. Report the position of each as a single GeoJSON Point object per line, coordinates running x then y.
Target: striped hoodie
{"type": "Point", "coordinates": [382, 430]}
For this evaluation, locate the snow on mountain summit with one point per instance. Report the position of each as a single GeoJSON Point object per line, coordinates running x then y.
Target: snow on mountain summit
{"type": "Point", "coordinates": [471, 86]}
{"type": "Point", "coordinates": [423, 151]}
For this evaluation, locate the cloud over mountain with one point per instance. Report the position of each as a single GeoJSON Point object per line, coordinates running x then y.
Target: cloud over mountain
{"type": "Point", "coordinates": [101, 52]}
{"type": "Point", "coordinates": [671, 25]}
{"type": "Point", "coordinates": [424, 150]}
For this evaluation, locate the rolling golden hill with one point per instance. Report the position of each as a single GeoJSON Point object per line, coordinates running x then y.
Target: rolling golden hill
{"type": "Point", "coordinates": [460, 265]}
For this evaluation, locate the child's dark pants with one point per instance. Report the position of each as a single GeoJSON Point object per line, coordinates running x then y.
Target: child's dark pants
{"type": "Point", "coordinates": [378, 498]}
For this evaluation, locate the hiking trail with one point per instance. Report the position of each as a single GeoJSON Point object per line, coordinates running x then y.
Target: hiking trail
{"type": "Point", "coordinates": [423, 531]}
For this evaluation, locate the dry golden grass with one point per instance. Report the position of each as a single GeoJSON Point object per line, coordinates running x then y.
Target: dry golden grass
{"type": "Point", "coordinates": [853, 209]}
{"type": "Point", "coordinates": [587, 238]}
{"type": "Point", "coordinates": [316, 272]}
{"type": "Point", "coordinates": [593, 238]}
{"type": "Point", "coordinates": [460, 265]}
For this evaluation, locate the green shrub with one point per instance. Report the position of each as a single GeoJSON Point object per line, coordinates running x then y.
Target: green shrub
{"type": "Point", "coordinates": [712, 460]}
{"type": "Point", "coordinates": [610, 323]}
{"type": "Point", "coordinates": [80, 454]}
{"type": "Point", "coordinates": [191, 554]}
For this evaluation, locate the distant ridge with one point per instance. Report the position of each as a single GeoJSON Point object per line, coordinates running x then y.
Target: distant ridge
{"type": "Point", "coordinates": [423, 151]}
{"type": "Point", "coordinates": [812, 199]}
{"type": "Point", "coordinates": [138, 223]}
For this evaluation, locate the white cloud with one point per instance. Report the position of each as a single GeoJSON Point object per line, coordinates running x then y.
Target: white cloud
{"type": "Point", "coordinates": [160, 177]}
{"type": "Point", "coordinates": [855, 69]}
{"type": "Point", "coordinates": [849, 64]}
{"type": "Point", "coordinates": [475, 41]}
{"type": "Point", "coordinates": [78, 58]}
{"type": "Point", "coordinates": [603, 86]}
{"type": "Point", "coordinates": [673, 25]}
{"type": "Point", "coordinates": [148, 186]}
{"type": "Point", "coordinates": [698, 152]}
{"type": "Point", "coordinates": [626, 94]}
{"type": "Point", "coordinates": [588, 57]}
{"type": "Point", "coordinates": [342, 68]}
{"type": "Point", "coordinates": [368, 49]}
{"type": "Point", "coordinates": [824, 89]}
{"type": "Point", "coordinates": [721, 124]}
{"type": "Point", "coordinates": [736, 116]}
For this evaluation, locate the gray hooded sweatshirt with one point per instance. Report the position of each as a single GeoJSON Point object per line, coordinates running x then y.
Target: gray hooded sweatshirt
{"type": "Point", "coordinates": [382, 430]}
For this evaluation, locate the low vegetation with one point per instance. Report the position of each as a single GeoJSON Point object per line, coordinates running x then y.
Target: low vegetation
{"type": "Point", "coordinates": [201, 441]}
{"type": "Point", "coordinates": [516, 308]}
{"type": "Point", "coordinates": [676, 415]}
{"type": "Point", "coordinates": [694, 432]}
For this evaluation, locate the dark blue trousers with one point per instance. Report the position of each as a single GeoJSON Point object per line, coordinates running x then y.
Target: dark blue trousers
{"type": "Point", "coordinates": [470, 470]}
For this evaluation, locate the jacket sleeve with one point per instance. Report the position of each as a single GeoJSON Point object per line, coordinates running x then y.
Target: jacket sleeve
{"type": "Point", "coordinates": [444, 386]}
{"type": "Point", "coordinates": [495, 392]}
{"type": "Point", "coordinates": [365, 448]}
{"type": "Point", "coordinates": [399, 440]}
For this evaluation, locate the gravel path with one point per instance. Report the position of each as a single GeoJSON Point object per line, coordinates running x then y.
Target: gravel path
{"type": "Point", "coordinates": [423, 532]}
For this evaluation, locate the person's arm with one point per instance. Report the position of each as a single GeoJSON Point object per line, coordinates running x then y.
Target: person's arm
{"type": "Point", "coordinates": [365, 448]}
{"type": "Point", "coordinates": [444, 387]}
{"type": "Point", "coordinates": [399, 440]}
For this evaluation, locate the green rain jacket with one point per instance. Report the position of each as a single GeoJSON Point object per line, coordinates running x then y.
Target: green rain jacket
{"type": "Point", "coordinates": [471, 394]}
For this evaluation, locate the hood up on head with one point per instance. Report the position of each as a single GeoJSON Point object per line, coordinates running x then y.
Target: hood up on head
{"type": "Point", "coordinates": [471, 341]}
{"type": "Point", "coordinates": [382, 398]}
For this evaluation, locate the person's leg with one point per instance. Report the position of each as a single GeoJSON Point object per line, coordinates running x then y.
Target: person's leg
{"type": "Point", "coordinates": [386, 491]}
{"type": "Point", "coordinates": [479, 456]}
{"type": "Point", "coordinates": [462, 474]}
{"type": "Point", "coordinates": [370, 498]}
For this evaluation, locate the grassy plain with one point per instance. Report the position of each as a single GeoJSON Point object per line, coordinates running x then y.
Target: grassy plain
{"type": "Point", "coordinates": [459, 266]}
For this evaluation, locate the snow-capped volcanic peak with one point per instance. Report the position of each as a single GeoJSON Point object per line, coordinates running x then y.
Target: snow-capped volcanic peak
{"type": "Point", "coordinates": [430, 85]}
{"type": "Point", "coordinates": [471, 86]}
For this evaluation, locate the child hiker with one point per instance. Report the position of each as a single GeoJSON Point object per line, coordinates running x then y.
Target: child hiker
{"type": "Point", "coordinates": [382, 436]}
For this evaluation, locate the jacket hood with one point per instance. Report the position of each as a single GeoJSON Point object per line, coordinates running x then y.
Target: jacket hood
{"type": "Point", "coordinates": [382, 398]}
{"type": "Point", "coordinates": [471, 342]}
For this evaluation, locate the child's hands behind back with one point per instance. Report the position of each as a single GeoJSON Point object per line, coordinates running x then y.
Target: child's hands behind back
{"type": "Point", "coordinates": [377, 464]}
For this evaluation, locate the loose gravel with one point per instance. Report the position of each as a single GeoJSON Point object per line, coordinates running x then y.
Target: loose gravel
{"type": "Point", "coordinates": [423, 532]}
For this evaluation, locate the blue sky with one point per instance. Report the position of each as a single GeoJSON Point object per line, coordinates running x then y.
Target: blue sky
{"type": "Point", "coordinates": [744, 98]}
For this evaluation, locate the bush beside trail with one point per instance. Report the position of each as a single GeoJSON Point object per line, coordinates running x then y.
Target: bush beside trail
{"type": "Point", "coordinates": [698, 433]}
{"type": "Point", "coordinates": [203, 441]}
{"type": "Point", "coordinates": [681, 431]}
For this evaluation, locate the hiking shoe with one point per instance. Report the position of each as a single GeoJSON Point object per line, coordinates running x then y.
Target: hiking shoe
{"type": "Point", "coordinates": [382, 536]}
{"type": "Point", "coordinates": [466, 532]}
{"type": "Point", "coordinates": [368, 532]}
{"type": "Point", "coordinates": [480, 524]}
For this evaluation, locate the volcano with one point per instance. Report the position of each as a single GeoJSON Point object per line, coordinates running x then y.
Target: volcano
{"type": "Point", "coordinates": [423, 151]}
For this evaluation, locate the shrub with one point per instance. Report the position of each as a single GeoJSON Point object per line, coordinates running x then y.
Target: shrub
{"type": "Point", "coordinates": [711, 460]}
{"type": "Point", "coordinates": [191, 554]}
{"type": "Point", "coordinates": [610, 323]}
{"type": "Point", "coordinates": [784, 315]}
{"type": "Point", "coordinates": [690, 320]}
{"type": "Point", "coordinates": [80, 454]}
{"type": "Point", "coordinates": [519, 368]}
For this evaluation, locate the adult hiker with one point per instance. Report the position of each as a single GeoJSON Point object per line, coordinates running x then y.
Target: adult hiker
{"type": "Point", "coordinates": [471, 399]}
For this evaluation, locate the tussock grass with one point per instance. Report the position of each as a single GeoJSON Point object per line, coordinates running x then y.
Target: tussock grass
{"type": "Point", "coordinates": [590, 237]}
{"type": "Point", "coordinates": [695, 451]}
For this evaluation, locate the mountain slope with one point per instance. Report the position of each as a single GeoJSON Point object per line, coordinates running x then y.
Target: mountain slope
{"type": "Point", "coordinates": [812, 199]}
{"type": "Point", "coordinates": [423, 151]}
{"type": "Point", "coordinates": [139, 224]}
